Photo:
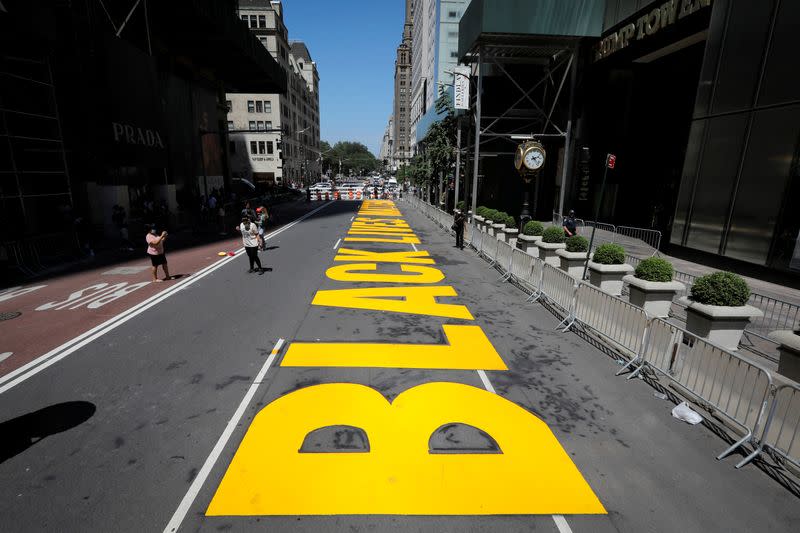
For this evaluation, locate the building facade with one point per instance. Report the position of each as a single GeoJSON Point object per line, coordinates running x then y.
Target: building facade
{"type": "Point", "coordinates": [698, 100]}
{"type": "Point", "coordinates": [274, 138]}
{"type": "Point", "coordinates": [402, 93]}
{"type": "Point", "coordinates": [435, 46]}
{"type": "Point", "coordinates": [386, 152]}
{"type": "Point", "coordinates": [93, 117]}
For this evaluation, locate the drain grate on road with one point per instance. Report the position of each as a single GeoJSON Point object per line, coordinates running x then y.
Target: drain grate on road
{"type": "Point", "coordinates": [8, 315]}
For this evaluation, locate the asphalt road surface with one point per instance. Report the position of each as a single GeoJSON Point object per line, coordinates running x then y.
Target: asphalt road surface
{"type": "Point", "coordinates": [373, 378]}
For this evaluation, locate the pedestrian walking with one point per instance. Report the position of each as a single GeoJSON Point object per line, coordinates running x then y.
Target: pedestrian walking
{"type": "Point", "coordinates": [458, 226]}
{"type": "Point", "coordinates": [248, 211]}
{"type": "Point", "coordinates": [570, 226]}
{"type": "Point", "coordinates": [263, 221]}
{"type": "Point", "coordinates": [155, 249]}
{"type": "Point", "coordinates": [249, 231]}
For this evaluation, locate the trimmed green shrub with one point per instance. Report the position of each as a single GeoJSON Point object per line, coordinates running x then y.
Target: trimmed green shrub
{"type": "Point", "coordinates": [460, 205]}
{"type": "Point", "coordinates": [509, 221]}
{"type": "Point", "coordinates": [721, 288]}
{"type": "Point", "coordinates": [553, 235]}
{"type": "Point", "coordinates": [492, 215]}
{"type": "Point", "coordinates": [609, 254]}
{"type": "Point", "coordinates": [481, 211]}
{"type": "Point", "coordinates": [534, 228]}
{"type": "Point", "coordinates": [576, 243]}
{"type": "Point", "coordinates": [654, 269]}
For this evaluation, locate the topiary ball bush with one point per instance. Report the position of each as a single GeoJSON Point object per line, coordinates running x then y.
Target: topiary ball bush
{"type": "Point", "coordinates": [460, 205]}
{"type": "Point", "coordinates": [510, 222]}
{"type": "Point", "coordinates": [480, 211]}
{"type": "Point", "coordinates": [609, 254]}
{"type": "Point", "coordinates": [553, 235]}
{"type": "Point", "coordinates": [492, 214]}
{"type": "Point", "coordinates": [534, 228]}
{"type": "Point", "coordinates": [655, 269]}
{"type": "Point", "coordinates": [721, 288]}
{"type": "Point", "coordinates": [576, 243]}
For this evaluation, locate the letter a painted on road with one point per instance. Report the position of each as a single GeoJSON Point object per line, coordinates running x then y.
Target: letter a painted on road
{"type": "Point", "coordinates": [397, 474]}
{"type": "Point", "coordinates": [412, 300]}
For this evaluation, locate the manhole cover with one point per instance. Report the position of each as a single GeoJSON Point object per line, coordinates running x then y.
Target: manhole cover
{"type": "Point", "coordinates": [8, 315]}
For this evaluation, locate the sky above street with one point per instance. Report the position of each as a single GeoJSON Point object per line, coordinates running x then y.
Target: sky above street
{"type": "Point", "coordinates": [354, 44]}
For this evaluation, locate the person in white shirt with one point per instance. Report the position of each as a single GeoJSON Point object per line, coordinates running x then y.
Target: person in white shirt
{"type": "Point", "coordinates": [249, 231]}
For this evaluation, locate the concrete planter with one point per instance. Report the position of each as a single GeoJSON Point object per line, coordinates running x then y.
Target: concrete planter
{"type": "Point", "coordinates": [572, 262]}
{"type": "Point", "coordinates": [789, 362]}
{"type": "Point", "coordinates": [608, 278]}
{"type": "Point", "coordinates": [547, 252]}
{"type": "Point", "coordinates": [718, 324]}
{"type": "Point", "coordinates": [480, 222]}
{"type": "Point", "coordinates": [510, 236]}
{"type": "Point", "coordinates": [653, 296]}
{"type": "Point", "coordinates": [496, 231]}
{"type": "Point", "coordinates": [527, 243]}
{"type": "Point", "coordinates": [488, 227]}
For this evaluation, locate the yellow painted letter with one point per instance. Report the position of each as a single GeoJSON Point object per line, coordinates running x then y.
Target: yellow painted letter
{"type": "Point", "coordinates": [350, 273]}
{"type": "Point", "coordinates": [268, 476]}
{"type": "Point", "coordinates": [412, 300]}
{"type": "Point", "coordinates": [468, 349]}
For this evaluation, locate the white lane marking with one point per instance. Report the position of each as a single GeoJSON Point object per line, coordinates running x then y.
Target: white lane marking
{"type": "Point", "coordinates": [202, 475]}
{"type": "Point", "coordinates": [5, 355]}
{"type": "Point", "coordinates": [352, 218]}
{"type": "Point", "coordinates": [561, 524]}
{"type": "Point", "coordinates": [414, 246]}
{"type": "Point", "coordinates": [55, 355]}
{"type": "Point", "coordinates": [335, 246]}
{"type": "Point", "coordinates": [13, 292]}
{"type": "Point", "coordinates": [125, 271]}
{"type": "Point", "coordinates": [486, 383]}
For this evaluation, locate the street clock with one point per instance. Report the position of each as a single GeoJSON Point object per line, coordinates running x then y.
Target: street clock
{"type": "Point", "coordinates": [532, 156]}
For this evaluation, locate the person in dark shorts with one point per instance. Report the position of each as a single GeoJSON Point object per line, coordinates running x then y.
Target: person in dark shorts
{"type": "Point", "coordinates": [155, 249]}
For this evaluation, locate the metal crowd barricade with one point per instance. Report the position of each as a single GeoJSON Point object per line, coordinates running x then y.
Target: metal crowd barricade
{"type": "Point", "coordinates": [618, 321]}
{"type": "Point", "coordinates": [651, 237]}
{"type": "Point", "coordinates": [490, 247]}
{"type": "Point", "coordinates": [505, 254]}
{"type": "Point", "coordinates": [777, 315]}
{"type": "Point", "coordinates": [521, 266]}
{"type": "Point", "coordinates": [559, 289]}
{"type": "Point", "coordinates": [781, 435]}
{"type": "Point", "coordinates": [720, 381]}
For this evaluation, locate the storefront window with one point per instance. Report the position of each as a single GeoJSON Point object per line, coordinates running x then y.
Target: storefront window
{"type": "Point", "coordinates": [715, 182]}
{"type": "Point", "coordinates": [740, 65]}
{"type": "Point", "coordinates": [781, 82]}
{"type": "Point", "coordinates": [765, 174]}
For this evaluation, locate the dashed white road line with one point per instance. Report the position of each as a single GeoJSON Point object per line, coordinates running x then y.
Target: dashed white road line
{"type": "Point", "coordinates": [5, 355]}
{"type": "Point", "coordinates": [55, 355]}
{"type": "Point", "coordinates": [202, 475]}
{"type": "Point", "coordinates": [335, 246]}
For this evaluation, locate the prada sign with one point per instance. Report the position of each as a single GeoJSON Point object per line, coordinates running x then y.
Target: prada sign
{"type": "Point", "coordinates": [133, 135]}
{"type": "Point", "coordinates": [648, 25]}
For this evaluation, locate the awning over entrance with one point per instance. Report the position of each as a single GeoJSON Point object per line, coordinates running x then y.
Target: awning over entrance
{"type": "Point", "coordinates": [487, 21]}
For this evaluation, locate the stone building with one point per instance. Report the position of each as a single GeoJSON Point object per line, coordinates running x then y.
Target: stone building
{"type": "Point", "coordinates": [275, 138]}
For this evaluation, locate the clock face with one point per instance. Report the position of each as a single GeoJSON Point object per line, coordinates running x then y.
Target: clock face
{"type": "Point", "coordinates": [534, 158]}
{"type": "Point", "coordinates": [518, 158]}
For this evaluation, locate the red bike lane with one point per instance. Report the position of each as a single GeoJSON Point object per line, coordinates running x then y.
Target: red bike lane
{"type": "Point", "coordinates": [56, 310]}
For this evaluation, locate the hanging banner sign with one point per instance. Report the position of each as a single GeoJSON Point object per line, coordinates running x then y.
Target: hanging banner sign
{"type": "Point", "coordinates": [461, 86]}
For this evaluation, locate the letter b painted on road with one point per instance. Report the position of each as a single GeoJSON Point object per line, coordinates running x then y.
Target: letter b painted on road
{"type": "Point", "coordinates": [398, 474]}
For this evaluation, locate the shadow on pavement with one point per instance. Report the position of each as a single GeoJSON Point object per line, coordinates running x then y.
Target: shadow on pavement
{"type": "Point", "coordinates": [19, 434]}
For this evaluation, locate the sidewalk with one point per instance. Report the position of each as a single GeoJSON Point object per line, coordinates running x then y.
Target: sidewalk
{"type": "Point", "coordinates": [651, 471]}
